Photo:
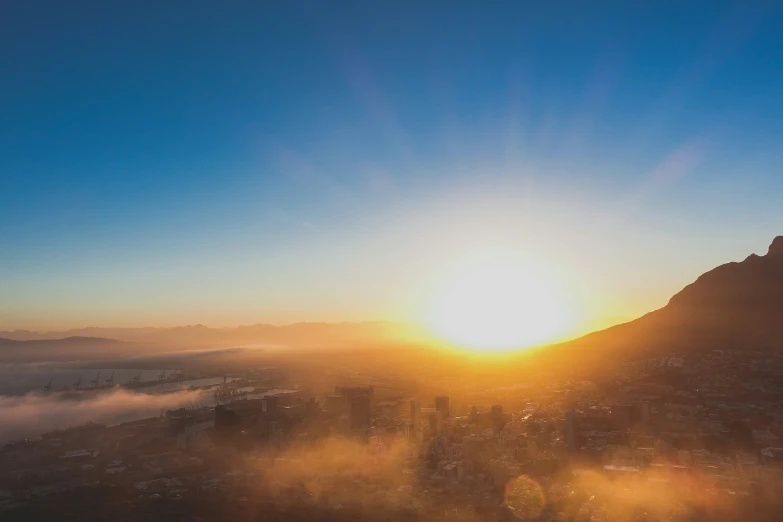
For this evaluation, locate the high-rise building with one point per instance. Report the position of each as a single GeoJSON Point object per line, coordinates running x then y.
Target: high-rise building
{"type": "Point", "coordinates": [442, 405]}
{"type": "Point", "coordinates": [497, 417]}
{"type": "Point", "coordinates": [269, 404]}
{"type": "Point", "coordinates": [360, 412]}
{"type": "Point", "coordinates": [435, 419]}
{"type": "Point", "coordinates": [641, 412]}
{"type": "Point", "coordinates": [312, 408]}
{"type": "Point", "coordinates": [415, 416]}
{"type": "Point", "coordinates": [227, 421]}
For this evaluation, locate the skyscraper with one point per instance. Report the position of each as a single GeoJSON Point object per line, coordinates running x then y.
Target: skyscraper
{"type": "Point", "coordinates": [498, 422]}
{"type": "Point", "coordinates": [269, 404]}
{"type": "Point", "coordinates": [360, 412]}
{"type": "Point", "coordinates": [415, 417]}
{"type": "Point", "coordinates": [442, 405]}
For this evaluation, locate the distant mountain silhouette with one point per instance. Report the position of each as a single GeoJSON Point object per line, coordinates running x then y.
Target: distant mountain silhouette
{"type": "Point", "coordinates": [200, 336]}
{"type": "Point", "coordinates": [13, 350]}
{"type": "Point", "coordinates": [734, 306]}
{"type": "Point", "coordinates": [64, 341]}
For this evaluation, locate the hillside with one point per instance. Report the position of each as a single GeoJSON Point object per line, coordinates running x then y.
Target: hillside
{"type": "Point", "coordinates": [737, 305]}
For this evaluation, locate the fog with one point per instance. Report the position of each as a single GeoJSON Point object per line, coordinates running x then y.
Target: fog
{"type": "Point", "coordinates": [341, 471]}
{"type": "Point", "coordinates": [32, 414]}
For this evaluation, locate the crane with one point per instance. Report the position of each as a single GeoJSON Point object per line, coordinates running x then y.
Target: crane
{"type": "Point", "coordinates": [135, 380]}
{"type": "Point", "coordinates": [78, 384]}
{"type": "Point", "coordinates": [110, 379]}
{"type": "Point", "coordinates": [48, 387]}
{"type": "Point", "coordinates": [95, 382]}
{"type": "Point", "coordinates": [162, 376]}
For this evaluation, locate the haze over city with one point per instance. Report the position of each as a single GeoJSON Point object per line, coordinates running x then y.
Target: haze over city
{"type": "Point", "coordinates": [399, 261]}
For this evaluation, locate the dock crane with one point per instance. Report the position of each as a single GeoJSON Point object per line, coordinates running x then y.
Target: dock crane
{"type": "Point", "coordinates": [162, 376]}
{"type": "Point", "coordinates": [48, 387]}
{"type": "Point", "coordinates": [110, 379]}
{"type": "Point", "coordinates": [78, 384]}
{"type": "Point", "coordinates": [95, 382]}
{"type": "Point", "coordinates": [135, 380]}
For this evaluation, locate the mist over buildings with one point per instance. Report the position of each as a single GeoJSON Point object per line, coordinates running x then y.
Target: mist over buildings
{"type": "Point", "coordinates": [30, 415]}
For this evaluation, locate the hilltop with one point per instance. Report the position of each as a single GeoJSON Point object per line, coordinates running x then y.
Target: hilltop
{"type": "Point", "coordinates": [738, 305]}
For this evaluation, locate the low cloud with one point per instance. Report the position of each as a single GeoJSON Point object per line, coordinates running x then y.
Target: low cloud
{"type": "Point", "coordinates": [341, 471]}
{"type": "Point", "coordinates": [30, 415]}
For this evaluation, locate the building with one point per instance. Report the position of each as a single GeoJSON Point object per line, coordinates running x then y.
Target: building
{"type": "Point", "coordinates": [415, 416]}
{"type": "Point", "coordinates": [435, 420]}
{"type": "Point", "coordinates": [442, 405]}
{"type": "Point", "coordinates": [269, 404]}
{"type": "Point", "coordinates": [641, 412]}
{"type": "Point", "coordinates": [336, 404]}
{"type": "Point", "coordinates": [622, 415]}
{"type": "Point", "coordinates": [360, 412]}
{"type": "Point", "coordinates": [227, 421]}
{"type": "Point", "coordinates": [498, 421]}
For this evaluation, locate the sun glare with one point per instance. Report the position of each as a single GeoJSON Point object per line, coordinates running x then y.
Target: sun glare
{"type": "Point", "coordinates": [497, 305]}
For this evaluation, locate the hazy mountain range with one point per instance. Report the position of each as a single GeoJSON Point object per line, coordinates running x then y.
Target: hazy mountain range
{"type": "Point", "coordinates": [736, 305]}
{"type": "Point", "coordinates": [325, 334]}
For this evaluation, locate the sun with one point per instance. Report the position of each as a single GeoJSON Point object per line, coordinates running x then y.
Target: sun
{"type": "Point", "coordinates": [497, 304]}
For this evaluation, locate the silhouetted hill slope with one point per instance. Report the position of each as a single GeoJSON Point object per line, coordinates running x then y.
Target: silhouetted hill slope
{"type": "Point", "coordinates": [736, 305]}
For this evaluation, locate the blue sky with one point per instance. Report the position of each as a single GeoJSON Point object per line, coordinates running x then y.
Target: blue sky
{"type": "Point", "coordinates": [259, 161]}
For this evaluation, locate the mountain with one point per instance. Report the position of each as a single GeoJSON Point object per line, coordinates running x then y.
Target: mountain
{"type": "Point", "coordinates": [738, 305]}
{"type": "Point", "coordinates": [200, 336]}
{"type": "Point", "coordinates": [13, 350]}
{"type": "Point", "coordinates": [52, 342]}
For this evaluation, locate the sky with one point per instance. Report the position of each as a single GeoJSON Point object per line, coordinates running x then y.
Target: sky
{"type": "Point", "coordinates": [166, 163]}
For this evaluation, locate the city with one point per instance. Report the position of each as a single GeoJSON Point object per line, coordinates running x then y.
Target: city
{"type": "Point", "coordinates": [664, 438]}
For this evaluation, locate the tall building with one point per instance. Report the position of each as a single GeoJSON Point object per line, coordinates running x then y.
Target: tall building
{"type": "Point", "coordinates": [415, 416]}
{"type": "Point", "coordinates": [227, 421]}
{"type": "Point", "coordinates": [442, 405]}
{"type": "Point", "coordinates": [641, 412]}
{"type": "Point", "coordinates": [360, 412]}
{"type": "Point", "coordinates": [435, 419]}
{"type": "Point", "coordinates": [269, 404]}
{"type": "Point", "coordinates": [498, 422]}
{"type": "Point", "coordinates": [312, 408]}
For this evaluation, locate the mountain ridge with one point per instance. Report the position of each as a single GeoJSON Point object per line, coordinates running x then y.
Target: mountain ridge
{"type": "Point", "coordinates": [198, 334]}
{"type": "Point", "coordinates": [74, 339]}
{"type": "Point", "coordinates": [736, 305]}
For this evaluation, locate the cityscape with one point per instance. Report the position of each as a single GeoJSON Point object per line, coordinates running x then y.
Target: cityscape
{"type": "Point", "coordinates": [674, 437]}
